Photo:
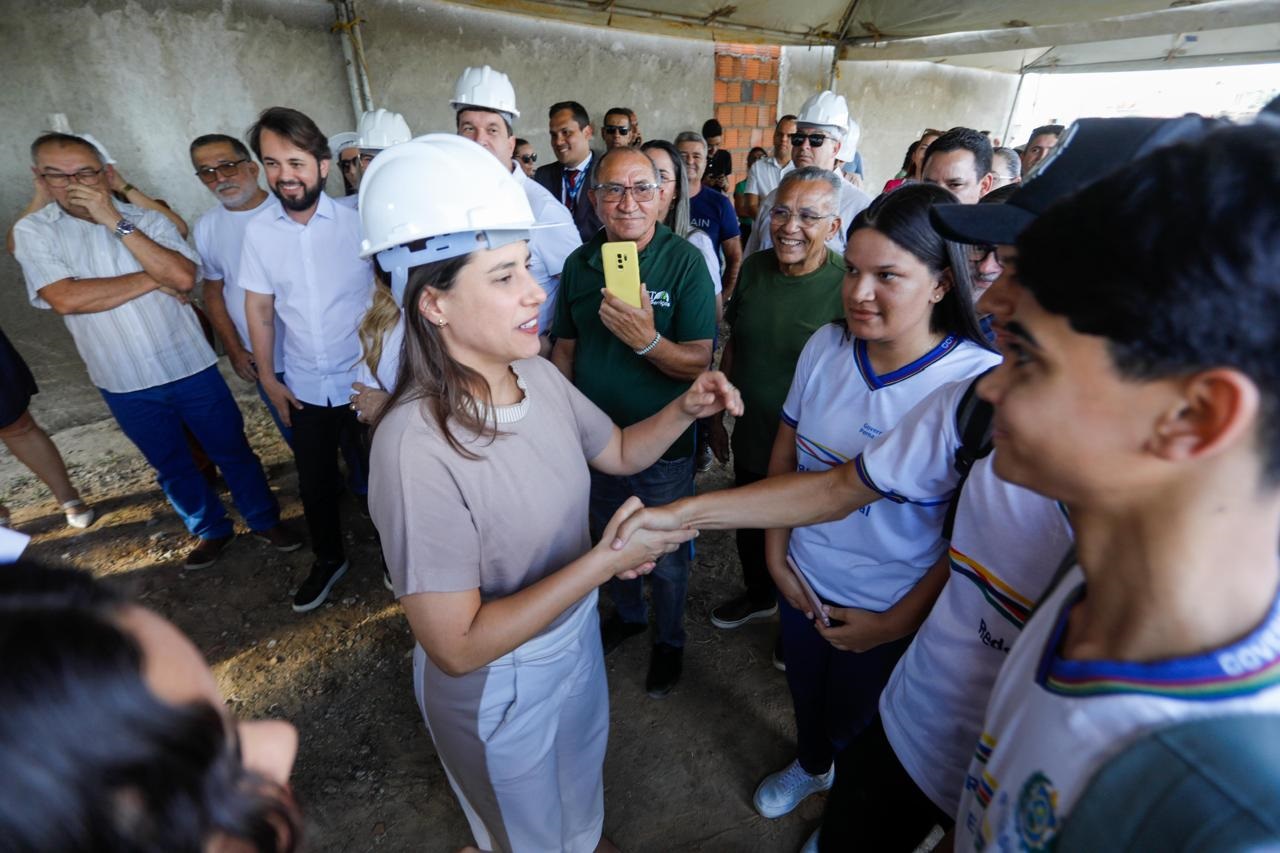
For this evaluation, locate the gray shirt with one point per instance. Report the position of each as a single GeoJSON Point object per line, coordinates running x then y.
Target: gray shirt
{"type": "Point", "coordinates": [499, 523]}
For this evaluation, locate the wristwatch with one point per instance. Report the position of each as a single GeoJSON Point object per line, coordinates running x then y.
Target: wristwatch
{"type": "Point", "coordinates": [124, 228]}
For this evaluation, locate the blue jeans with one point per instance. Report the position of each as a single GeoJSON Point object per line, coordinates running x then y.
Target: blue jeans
{"type": "Point", "coordinates": [286, 432]}
{"type": "Point", "coordinates": [153, 419]}
{"type": "Point", "coordinates": [661, 483]}
{"type": "Point", "coordinates": [835, 694]}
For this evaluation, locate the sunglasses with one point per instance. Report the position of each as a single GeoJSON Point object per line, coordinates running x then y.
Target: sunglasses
{"type": "Point", "coordinates": [209, 174]}
{"type": "Point", "coordinates": [815, 139]}
{"type": "Point", "coordinates": [616, 130]}
{"type": "Point", "coordinates": [528, 158]}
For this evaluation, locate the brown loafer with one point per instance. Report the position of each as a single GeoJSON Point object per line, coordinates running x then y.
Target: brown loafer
{"type": "Point", "coordinates": [207, 552]}
{"type": "Point", "coordinates": [279, 537]}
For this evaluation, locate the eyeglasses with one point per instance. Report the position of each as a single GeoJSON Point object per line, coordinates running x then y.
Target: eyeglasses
{"type": "Point", "coordinates": [209, 174]}
{"type": "Point", "coordinates": [348, 164]}
{"type": "Point", "coordinates": [528, 158]}
{"type": "Point", "coordinates": [614, 192]}
{"type": "Point", "coordinates": [87, 177]}
{"type": "Point", "coordinates": [815, 139]}
{"type": "Point", "coordinates": [979, 253]}
{"type": "Point", "coordinates": [807, 218]}
{"type": "Point", "coordinates": [616, 130]}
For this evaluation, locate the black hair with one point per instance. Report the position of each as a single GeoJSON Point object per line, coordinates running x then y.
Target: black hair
{"type": "Point", "coordinates": [520, 142]}
{"type": "Point", "coordinates": [55, 138]}
{"type": "Point", "coordinates": [964, 139]}
{"type": "Point", "coordinates": [93, 760]}
{"type": "Point", "coordinates": [903, 217]}
{"type": "Point", "coordinates": [214, 138]}
{"type": "Point", "coordinates": [619, 111]}
{"type": "Point", "coordinates": [1054, 129]}
{"type": "Point", "coordinates": [294, 126]}
{"type": "Point", "coordinates": [906, 160]}
{"type": "Point", "coordinates": [1183, 249]}
{"type": "Point", "coordinates": [578, 110]}
{"type": "Point", "coordinates": [711, 127]}
{"type": "Point", "coordinates": [464, 108]}
{"type": "Point", "coordinates": [787, 117]}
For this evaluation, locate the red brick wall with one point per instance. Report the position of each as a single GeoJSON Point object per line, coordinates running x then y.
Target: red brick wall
{"type": "Point", "coordinates": [746, 98]}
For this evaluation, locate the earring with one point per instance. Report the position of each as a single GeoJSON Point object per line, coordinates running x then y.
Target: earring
{"type": "Point", "coordinates": [440, 323]}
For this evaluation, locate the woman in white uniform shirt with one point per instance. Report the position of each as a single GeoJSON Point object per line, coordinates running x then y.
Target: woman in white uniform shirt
{"type": "Point", "coordinates": [479, 490]}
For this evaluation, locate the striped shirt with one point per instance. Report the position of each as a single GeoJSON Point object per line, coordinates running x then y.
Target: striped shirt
{"type": "Point", "coordinates": [150, 340]}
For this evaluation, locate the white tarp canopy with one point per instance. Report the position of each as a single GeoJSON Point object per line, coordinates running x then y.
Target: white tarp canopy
{"type": "Point", "coordinates": [1005, 35]}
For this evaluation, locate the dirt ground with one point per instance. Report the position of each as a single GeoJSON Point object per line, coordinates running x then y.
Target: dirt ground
{"type": "Point", "coordinates": [679, 773]}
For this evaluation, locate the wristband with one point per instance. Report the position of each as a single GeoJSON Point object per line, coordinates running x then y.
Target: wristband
{"type": "Point", "coordinates": [657, 336]}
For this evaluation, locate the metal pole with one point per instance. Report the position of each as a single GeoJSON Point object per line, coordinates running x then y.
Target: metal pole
{"type": "Point", "coordinates": [1008, 122]}
{"type": "Point", "coordinates": [362, 66]}
{"type": "Point", "coordinates": [348, 55]}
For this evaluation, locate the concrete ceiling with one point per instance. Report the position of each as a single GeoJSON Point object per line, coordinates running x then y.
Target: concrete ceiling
{"type": "Point", "coordinates": [1003, 35]}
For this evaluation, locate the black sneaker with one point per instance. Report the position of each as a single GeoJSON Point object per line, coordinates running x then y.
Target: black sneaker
{"type": "Point", "coordinates": [705, 459]}
{"type": "Point", "coordinates": [316, 588]}
{"type": "Point", "coordinates": [665, 664]}
{"type": "Point", "coordinates": [740, 610]}
{"type": "Point", "coordinates": [613, 631]}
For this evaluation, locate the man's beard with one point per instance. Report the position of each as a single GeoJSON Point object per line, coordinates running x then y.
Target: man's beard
{"type": "Point", "coordinates": [308, 198]}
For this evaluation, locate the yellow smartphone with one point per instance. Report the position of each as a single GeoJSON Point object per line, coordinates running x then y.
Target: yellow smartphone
{"type": "Point", "coordinates": [622, 271]}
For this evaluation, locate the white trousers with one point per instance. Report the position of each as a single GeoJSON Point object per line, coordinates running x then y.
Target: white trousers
{"type": "Point", "coordinates": [523, 739]}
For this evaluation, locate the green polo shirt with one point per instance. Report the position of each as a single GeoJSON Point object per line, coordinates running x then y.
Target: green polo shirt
{"type": "Point", "coordinates": [625, 385]}
{"type": "Point", "coordinates": [772, 317]}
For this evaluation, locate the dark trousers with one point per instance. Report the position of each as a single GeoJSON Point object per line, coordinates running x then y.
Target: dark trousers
{"type": "Point", "coordinates": [835, 693]}
{"type": "Point", "coordinates": [874, 804]}
{"type": "Point", "coordinates": [755, 572]}
{"type": "Point", "coordinates": [319, 433]}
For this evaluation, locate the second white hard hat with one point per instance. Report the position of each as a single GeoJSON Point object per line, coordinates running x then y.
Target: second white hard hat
{"type": "Point", "coordinates": [340, 142]}
{"type": "Point", "coordinates": [849, 146]}
{"type": "Point", "coordinates": [444, 189]}
{"type": "Point", "coordinates": [381, 128]}
{"type": "Point", "coordinates": [487, 88]}
{"type": "Point", "coordinates": [826, 109]}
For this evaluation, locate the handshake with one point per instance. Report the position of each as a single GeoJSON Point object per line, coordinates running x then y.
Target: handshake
{"type": "Point", "coordinates": [638, 536]}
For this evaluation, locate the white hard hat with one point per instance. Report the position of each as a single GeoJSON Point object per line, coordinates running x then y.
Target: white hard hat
{"type": "Point", "coordinates": [340, 142]}
{"type": "Point", "coordinates": [484, 87]}
{"type": "Point", "coordinates": [444, 189]}
{"type": "Point", "coordinates": [849, 147]}
{"type": "Point", "coordinates": [826, 109]}
{"type": "Point", "coordinates": [380, 129]}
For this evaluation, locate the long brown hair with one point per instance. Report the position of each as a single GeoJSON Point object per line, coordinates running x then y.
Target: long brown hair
{"type": "Point", "coordinates": [448, 388]}
{"type": "Point", "coordinates": [375, 324]}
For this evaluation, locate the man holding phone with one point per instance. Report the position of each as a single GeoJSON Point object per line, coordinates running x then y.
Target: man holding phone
{"type": "Point", "coordinates": [631, 361]}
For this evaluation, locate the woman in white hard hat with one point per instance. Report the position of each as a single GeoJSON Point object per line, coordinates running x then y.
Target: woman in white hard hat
{"type": "Point", "coordinates": [497, 576]}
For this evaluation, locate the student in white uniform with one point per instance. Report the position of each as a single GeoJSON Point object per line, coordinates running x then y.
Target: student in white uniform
{"type": "Point", "coordinates": [1151, 348]}
{"type": "Point", "coordinates": [499, 584]}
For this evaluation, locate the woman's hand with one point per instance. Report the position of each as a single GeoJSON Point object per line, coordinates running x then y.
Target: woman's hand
{"type": "Point", "coordinates": [367, 402]}
{"type": "Point", "coordinates": [790, 589]}
{"type": "Point", "coordinates": [711, 393]}
{"type": "Point", "coordinates": [862, 630]}
{"type": "Point", "coordinates": [642, 550]}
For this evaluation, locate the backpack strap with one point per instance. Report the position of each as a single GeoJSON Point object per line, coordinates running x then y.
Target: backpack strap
{"type": "Point", "coordinates": [973, 425]}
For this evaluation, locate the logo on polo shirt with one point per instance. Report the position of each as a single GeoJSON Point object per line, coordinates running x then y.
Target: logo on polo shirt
{"type": "Point", "coordinates": [660, 299]}
{"type": "Point", "coordinates": [1037, 813]}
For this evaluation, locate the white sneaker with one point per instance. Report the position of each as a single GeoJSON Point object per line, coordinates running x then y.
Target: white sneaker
{"type": "Point", "coordinates": [811, 846]}
{"type": "Point", "coordinates": [79, 515]}
{"type": "Point", "coordinates": [781, 792]}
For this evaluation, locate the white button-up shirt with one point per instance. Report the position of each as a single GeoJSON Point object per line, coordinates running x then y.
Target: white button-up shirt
{"type": "Point", "coordinates": [764, 176]}
{"type": "Point", "coordinates": [150, 340]}
{"type": "Point", "coordinates": [219, 238]}
{"type": "Point", "coordinates": [322, 289]}
{"type": "Point", "coordinates": [548, 247]}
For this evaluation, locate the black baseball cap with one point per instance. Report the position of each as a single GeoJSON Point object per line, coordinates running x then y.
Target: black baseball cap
{"type": "Point", "coordinates": [1087, 152]}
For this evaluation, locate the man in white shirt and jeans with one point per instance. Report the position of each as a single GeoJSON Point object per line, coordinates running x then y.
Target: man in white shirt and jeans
{"type": "Point", "coordinates": [224, 165]}
{"type": "Point", "coordinates": [119, 275]}
{"type": "Point", "coordinates": [301, 262]}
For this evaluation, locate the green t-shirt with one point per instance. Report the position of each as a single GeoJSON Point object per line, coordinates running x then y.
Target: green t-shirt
{"type": "Point", "coordinates": [772, 317]}
{"type": "Point", "coordinates": [625, 385]}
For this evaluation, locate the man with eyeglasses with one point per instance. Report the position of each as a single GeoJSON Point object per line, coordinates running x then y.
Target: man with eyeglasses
{"type": "Point", "coordinates": [225, 167]}
{"type": "Point", "coordinates": [1006, 168]}
{"type": "Point", "coordinates": [484, 104]}
{"type": "Point", "coordinates": [784, 295]}
{"type": "Point", "coordinates": [617, 129]}
{"type": "Point", "coordinates": [821, 128]}
{"type": "Point", "coordinates": [119, 275]}
{"type": "Point", "coordinates": [346, 148]}
{"type": "Point", "coordinates": [568, 177]}
{"type": "Point", "coordinates": [631, 362]}
{"type": "Point", "coordinates": [711, 210]}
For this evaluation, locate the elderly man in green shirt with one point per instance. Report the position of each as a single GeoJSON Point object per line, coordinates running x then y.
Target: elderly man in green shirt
{"type": "Point", "coordinates": [631, 362]}
{"type": "Point", "coordinates": [784, 294]}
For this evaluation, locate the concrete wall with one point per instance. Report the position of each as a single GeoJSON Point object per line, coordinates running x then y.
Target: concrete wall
{"type": "Point", "coordinates": [895, 101]}
{"type": "Point", "coordinates": [146, 76]}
